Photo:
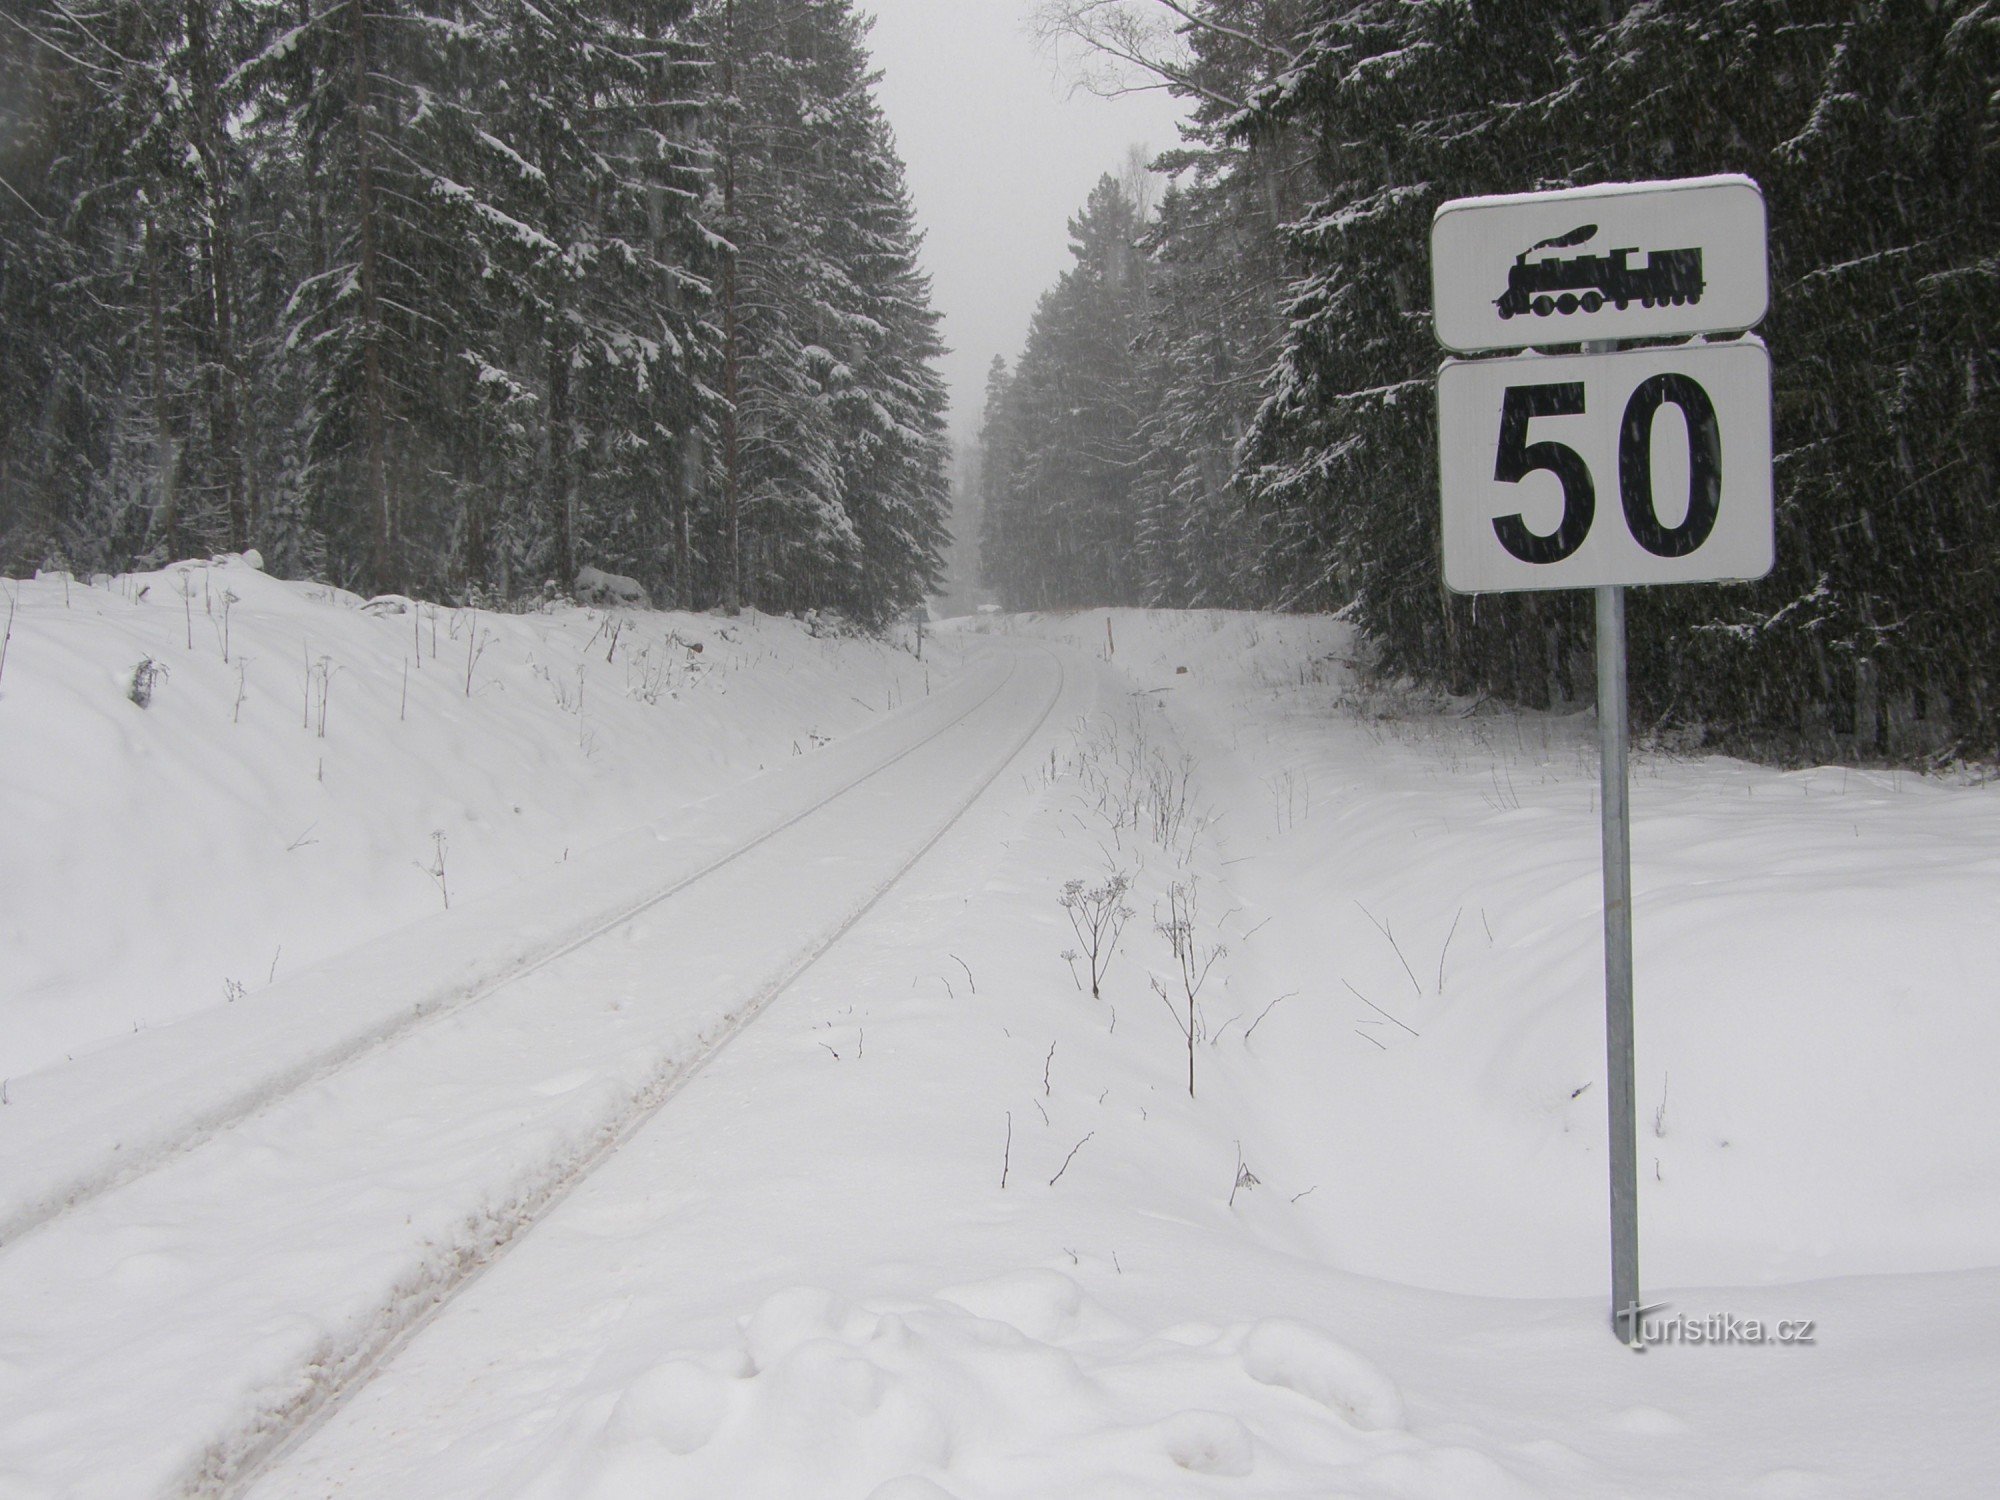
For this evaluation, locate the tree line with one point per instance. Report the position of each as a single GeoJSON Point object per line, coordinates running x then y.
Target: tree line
{"type": "Point", "coordinates": [1229, 399]}
{"type": "Point", "coordinates": [465, 296]}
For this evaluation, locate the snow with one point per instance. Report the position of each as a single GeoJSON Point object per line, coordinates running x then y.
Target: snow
{"type": "Point", "coordinates": [238, 844]}
{"type": "Point", "coordinates": [819, 1173]}
{"type": "Point", "coordinates": [1602, 190]}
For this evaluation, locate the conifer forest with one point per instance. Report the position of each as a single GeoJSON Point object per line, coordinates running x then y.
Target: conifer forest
{"type": "Point", "coordinates": [1229, 399]}
{"type": "Point", "coordinates": [466, 296]}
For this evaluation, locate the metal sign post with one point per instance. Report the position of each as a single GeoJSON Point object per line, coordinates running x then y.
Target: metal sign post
{"type": "Point", "coordinates": [1618, 1066]}
{"type": "Point", "coordinates": [1608, 490]}
{"type": "Point", "coordinates": [1615, 814]}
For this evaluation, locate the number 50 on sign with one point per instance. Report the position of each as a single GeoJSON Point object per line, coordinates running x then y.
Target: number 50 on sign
{"type": "Point", "coordinates": [1575, 471]}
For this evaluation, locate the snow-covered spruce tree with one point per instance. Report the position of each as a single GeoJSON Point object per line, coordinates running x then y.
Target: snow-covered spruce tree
{"type": "Point", "coordinates": [1000, 554]}
{"type": "Point", "coordinates": [123, 233]}
{"type": "Point", "coordinates": [1062, 509]}
{"type": "Point", "coordinates": [583, 182]}
{"type": "Point", "coordinates": [895, 456]}
{"type": "Point", "coordinates": [1218, 270]}
{"type": "Point", "coordinates": [389, 314]}
{"type": "Point", "coordinates": [1874, 137]}
{"type": "Point", "coordinates": [1875, 132]}
{"type": "Point", "coordinates": [833, 456]}
{"type": "Point", "coordinates": [1407, 104]}
{"type": "Point", "coordinates": [61, 231]}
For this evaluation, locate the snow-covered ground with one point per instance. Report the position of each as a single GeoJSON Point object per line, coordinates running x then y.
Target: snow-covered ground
{"type": "Point", "coordinates": [770, 1145]}
{"type": "Point", "coordinates": [284, 794]}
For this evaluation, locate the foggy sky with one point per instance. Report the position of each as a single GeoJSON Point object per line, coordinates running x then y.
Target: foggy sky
{"type": "Point", "coordinates": [1000, 155]}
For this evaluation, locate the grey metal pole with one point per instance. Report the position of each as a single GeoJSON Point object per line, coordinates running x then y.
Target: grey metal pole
{"type": "Point", "coordinates": [1612, 734]}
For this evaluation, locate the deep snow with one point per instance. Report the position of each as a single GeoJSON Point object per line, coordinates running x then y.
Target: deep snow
{"type": "Point", "coordinates": [282, 797]}
{"type": "Point", "coordinates": [1367, 1257]}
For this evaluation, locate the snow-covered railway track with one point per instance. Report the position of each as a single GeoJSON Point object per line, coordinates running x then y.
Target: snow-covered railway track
{"type": "Point", "coordinates": [173, 1334]}
{"type": "Point", "coordinates": [85, 1129]}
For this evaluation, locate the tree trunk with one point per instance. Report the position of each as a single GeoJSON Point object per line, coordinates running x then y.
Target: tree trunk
{"type": "Point", "coordinates": [732, 593]}
{"type": "Point", "coordinates": [562, 421]}
{"type": "Point", "coordinates": [167, 521]}
{"type": "Point", "coordinates": [381, 505]}
{"type": "Point", "coordinates": [221, 375]}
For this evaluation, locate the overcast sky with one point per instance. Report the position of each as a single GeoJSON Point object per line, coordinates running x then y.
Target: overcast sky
{"type": "Point", "coordinates": [999, 155]}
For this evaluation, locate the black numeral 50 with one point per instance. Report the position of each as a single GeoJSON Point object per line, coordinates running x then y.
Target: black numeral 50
{"type": "Point", "coordinates": [1519, 458]}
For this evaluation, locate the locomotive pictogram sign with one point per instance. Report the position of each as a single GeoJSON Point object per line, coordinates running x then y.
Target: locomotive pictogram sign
{"type": "Point", "coordinates": [1633, 260]}
{"type": "Point", "coordinates": [1584, 283]}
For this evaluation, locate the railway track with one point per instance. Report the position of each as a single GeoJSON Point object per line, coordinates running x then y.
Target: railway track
{"type": "Point", "coordinates": [314, 1227]}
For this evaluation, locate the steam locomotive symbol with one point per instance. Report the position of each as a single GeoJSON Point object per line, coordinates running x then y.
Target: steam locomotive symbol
{"type": "Point", "coordinates": [1584, 283]}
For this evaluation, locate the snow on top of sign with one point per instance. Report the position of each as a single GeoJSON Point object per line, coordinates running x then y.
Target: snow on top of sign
{"type": "Point", "coordinates": [1600, 190]}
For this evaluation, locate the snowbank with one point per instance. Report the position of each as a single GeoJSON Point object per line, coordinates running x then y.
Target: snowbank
{"type": "Point", "coordinates": [311, 769]}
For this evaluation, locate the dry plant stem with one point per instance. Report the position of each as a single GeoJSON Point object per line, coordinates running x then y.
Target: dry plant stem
{"type": "Point", "coordinates": [1068, 1159]}
{"type": "Point", "coordinates": [7, 636]}
{"type": "Point", "coordinates": [1245, 1178]}
{"type": "Point", "coordinates": [1378, 1010]}
{"type": "Point", "coordinates": [1384, 930]}
{"type": "Point", "coordinates": [436, 869]}
{"type": "Point", "coordinates": [1447, 948]}
{"type": "Point", "coordinates": [1007, 1152]}
{"type": "Point", "coordinates": [1192, 963]}
{"type": "Point", "coordinates": [1266, 1011]}
{"type": "Point", "coordinates": [1097, 916]}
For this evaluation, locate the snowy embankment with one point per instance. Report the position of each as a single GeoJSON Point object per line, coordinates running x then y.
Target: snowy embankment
{"type": "Point", "coordinates": [312, 770]}
{"type": "Point", "coordinates": [314, 782]}
{"type": "Point", "coordinates": [944, 1225]}
{"type": "Point", "coordinates": [1814, 963]}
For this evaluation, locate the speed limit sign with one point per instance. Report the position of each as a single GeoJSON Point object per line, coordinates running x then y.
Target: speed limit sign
{"type": "Point", "coordinates": [1644, 465]}
{"type": "Point", "coordinates": [1648, 466]}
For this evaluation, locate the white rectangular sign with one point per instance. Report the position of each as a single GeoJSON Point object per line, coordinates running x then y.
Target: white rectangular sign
{"type": "Point", "coordinates": [1573, 471]}
{"type": "Point", "coordinates": [1618, 261]}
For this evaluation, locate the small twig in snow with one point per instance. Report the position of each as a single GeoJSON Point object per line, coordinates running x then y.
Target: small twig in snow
{"type": "Point", "coordinates": [1007, 1152]}
{"type": "Point", "coordinates": [1266, 1011]}
{"type": "Point", "coordinates": [1378, 1009]}
{"type": "Point", "coordinates": [1384, 930]}
{"type": "Point", "coordinates": [1068, 1159]}
{"type": "Point", "coordinates": [1245, 1178]}
{"type": "Point", "coordinates": [1447, 948]}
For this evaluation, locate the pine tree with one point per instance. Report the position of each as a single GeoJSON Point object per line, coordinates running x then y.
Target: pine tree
{"type": "Point", "coordinates": [1062, 506]}
{"type": "Point", "coordinates": [834, 450]}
